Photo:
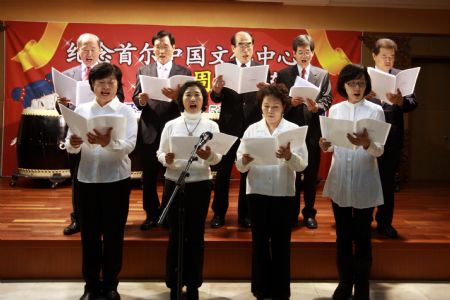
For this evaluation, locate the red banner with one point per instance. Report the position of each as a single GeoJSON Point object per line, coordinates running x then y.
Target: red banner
{"type": "Point", "coordinates": [32, 49]}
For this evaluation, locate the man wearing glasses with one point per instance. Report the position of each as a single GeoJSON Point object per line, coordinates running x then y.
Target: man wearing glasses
{"type": "Point", "coordinates": [238, 111]}
{"type": "Point", "coordinates": [155, 114]}
{"type": "Point", "coordinates": [384, 57]}
{"type": "Point", "coordinates": [306, 112]}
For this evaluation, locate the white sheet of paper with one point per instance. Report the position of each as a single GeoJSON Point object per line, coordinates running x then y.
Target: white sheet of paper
{"type": "Point", "coordinates": [153, 85]}
{"type": "Point", "coordinates": [80, 126]}
{"type": "Point", "coordinates": [182, 146]}
{"type": "Point", "coordinates": [76, 91]}
{"type": "Point", "coordinates": [221, 142]}
{"type": "Point", "coordinates": [261, 149]}
{"type": "Point", "coordinates": [335, 130]}
{"type": "Point", "coordinates": [242, 80]}
{"type": "Point", "coordinates": [295, 136]}
{"type": "Point", "coordinates": [378, 131]}
{"type": "Point", "coordinates": [383, 83]}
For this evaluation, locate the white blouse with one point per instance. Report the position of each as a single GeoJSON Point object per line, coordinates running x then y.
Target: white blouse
{"type": "Point", "coordinates": [110, 163]}
{"type": "Point", "coordinates": [353, 179]}
{"type": "Point", "coordinates": [274, 180]}
{"type": "Point", "coordinates": [199, 170]}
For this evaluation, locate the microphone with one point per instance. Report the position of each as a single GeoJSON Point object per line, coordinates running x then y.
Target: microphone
{"type": "Point", "coordinates": [204, 137]}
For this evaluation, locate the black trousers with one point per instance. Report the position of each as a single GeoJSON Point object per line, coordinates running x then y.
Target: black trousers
{"type": "Point", "coordinates": [388, 165]}
{"type": "Point", "coordinates": [103, 215]}
{"type": "Point", "coordinates": [222, 186]}
{"type": "Point", "coordinates": [74, 161]}
{"type": "Point", "coordinates": [151, 168]}
{"type": "Point", "coordinates": [308, 184]}
{"type": "Point", "coordinates": [195, 197]}
{"type": "Point", "coordinates": [353, 231]}
{"type": "Point", "coordinates": [271, 246]}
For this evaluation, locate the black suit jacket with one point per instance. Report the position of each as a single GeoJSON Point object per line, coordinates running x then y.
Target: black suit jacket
{"type": "Point", "coordinates": [157, 113]}
{"type": "Point", "coordinates": [300, 115]}
{"type": "Point", "coordinates": [394, 115]}
{"type": "Point", "coordinates": [238, 111]}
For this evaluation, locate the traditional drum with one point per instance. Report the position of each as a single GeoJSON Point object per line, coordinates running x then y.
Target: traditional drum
{"type": "Point", "coordinates": [40, 145]}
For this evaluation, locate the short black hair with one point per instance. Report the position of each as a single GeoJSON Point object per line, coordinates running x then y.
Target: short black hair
{"type": "Point", "coordinates": [351, 72]}
{"type": "Point", "coordinates": [233, 37]}
{"type": "Point", "coordinates": [384, 43]}
{"type": "Point", "coordinates": [277, 90]}
{"type": "Point", "coordinates": [162, 33]}
{"type": "Point", "coordinates": [303, 40]}
{"type": "Point", "coordinates": [183, 89]}
{"type": "Point", "coordinates": [103, 70]}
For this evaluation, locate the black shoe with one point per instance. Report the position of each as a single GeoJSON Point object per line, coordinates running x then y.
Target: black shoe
{"type": "Point", "coordinates": [192, 293]}
{"type": "Point", "coordinates": [89, 296]}
{"type": "Point", "coordinates": [343, 292]}
{"type": "Point", "coordinates": [310, 223]}
{"type": "Point", "coordinates": [217, 221]}
{"type": "Point", "coordinates": [388, 231]}
{"type": "Point", "coordinates": [112, 295]}
{"type": "Point", "coordinates": [149, 223]}
{"type": "Point", "coordinates": [72, 228]}
{"type": "Point", "coordinates": [245, 222]}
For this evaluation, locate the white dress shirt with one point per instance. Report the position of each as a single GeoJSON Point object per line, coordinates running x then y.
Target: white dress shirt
{"type": "Point", "coordinates": [353, 179]}
{"type": "Point", "coordinates": [274, 180]}
{"type": "Point", "coordinates": [164, 70]}
{"type": "Point", "coordinates": [110, 163]}
{"type": "Point", "coordinates": [307, 70]}
{"type": "Point", "coordinates": [199, 170]}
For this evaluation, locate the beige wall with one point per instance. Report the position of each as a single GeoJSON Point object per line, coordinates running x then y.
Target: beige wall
{"type": "Point", "coordinates": [237, 14]}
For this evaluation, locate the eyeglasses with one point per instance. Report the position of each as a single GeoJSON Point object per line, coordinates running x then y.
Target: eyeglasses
{"type": "Point", "coordinates": [162, 48]}
{"type": "Point", "coordinates": [244, 46]}
{"type": "Point", "coordinates": [355, 83]}
{"type": "Point", "coordinates": [304, 53]}
{"type": "Point", "coordinates": [105, 82]}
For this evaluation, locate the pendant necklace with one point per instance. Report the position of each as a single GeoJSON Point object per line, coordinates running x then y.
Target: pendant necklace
{"type": "Point", "coordinates": [190, 132]}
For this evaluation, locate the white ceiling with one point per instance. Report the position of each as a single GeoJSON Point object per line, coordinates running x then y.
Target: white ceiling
{"type": "Point", "coordinates": [412, 4]}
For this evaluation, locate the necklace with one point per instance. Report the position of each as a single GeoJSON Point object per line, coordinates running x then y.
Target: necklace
{"type": "Point", "coordinates": [190, 132]}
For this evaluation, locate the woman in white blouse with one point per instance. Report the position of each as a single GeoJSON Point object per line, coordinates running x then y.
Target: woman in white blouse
{"type": "Point", "coordinates": [353, 184]}
{"type": "Point", "coordinates": [270, 190]}
{"type": "Point", "coordinates": [104, 184]}
{"type": "Point", "coordinates": [192, 100]}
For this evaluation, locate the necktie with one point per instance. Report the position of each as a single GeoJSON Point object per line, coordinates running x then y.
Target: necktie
{"type": "Point", "coordinates": [86, 74]}
{"type": "Point", "coordinates": [303, 73]}
{"type": "Point", "coordinates": [243, 65]}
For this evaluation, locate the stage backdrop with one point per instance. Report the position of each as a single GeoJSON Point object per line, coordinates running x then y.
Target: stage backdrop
{"type": "Point", "coordinates": [33, 48]}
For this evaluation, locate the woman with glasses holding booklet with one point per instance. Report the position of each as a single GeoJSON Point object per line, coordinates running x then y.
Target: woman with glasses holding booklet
{"type": "Point", "coordinates": [353, 184]}
{"type": "Point", "coordinates": [270, 191]}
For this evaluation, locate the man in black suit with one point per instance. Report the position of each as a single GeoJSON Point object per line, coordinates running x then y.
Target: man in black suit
{"type": "Point", "coordinates": [306, 112]}
{"type": "Point", "coordinates": [88, 50]}
{"type": "Point", "coordinates": [155, 114]}
{"type": "Point", "coordinates": [384, 56]}
{"type": "Point", "coordinates": [237, 112]}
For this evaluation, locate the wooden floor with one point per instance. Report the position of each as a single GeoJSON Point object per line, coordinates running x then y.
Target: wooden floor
{"type": "Point", "coordinates": [33, 215]}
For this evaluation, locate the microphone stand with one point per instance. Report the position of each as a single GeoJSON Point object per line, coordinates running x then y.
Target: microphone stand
{"type": "Point", "coordinates": [180, 185]}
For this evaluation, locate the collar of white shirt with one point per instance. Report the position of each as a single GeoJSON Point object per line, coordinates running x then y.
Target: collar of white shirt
{"type": "Point", "coordinates": [167, 67]}
{"type": "Point", "coordinates": [248, 64]}
{"type": "Point", "coordinates": [308, 69]}
{"type": "Point", "coordinates": [113, 105]}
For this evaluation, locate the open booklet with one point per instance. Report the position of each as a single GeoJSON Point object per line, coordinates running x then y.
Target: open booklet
{"type": "Point", "coordinates": [242, 80]}
{"type": "Point", "coordinates": [78, 92]}
{"type": "Point", "coordinates": [182, 146]}
{"type": "Point", "coordinates": [263, 149]}
{"type": "Point", "coordinates": [335, 130]}
{"type": "Point", "coordinates": [80, 126]}
{"type": "Point", "coordinates": [303, 88]}
{"type": "Point", "coordinates": [154, 85]}
{"type": "Point", "coordinates": [383, 83]}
